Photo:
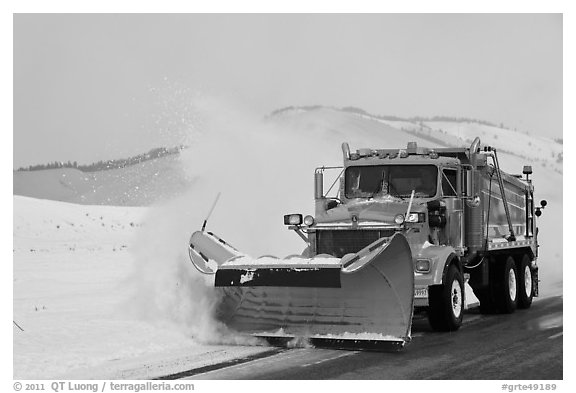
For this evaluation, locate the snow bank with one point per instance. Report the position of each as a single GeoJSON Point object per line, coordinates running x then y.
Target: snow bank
{"type": "Point", "coordinates": [74, 297]}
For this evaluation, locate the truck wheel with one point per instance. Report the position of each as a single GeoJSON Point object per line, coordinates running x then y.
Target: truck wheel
{"type": "Point", "coordinates": [506, 286]}
{"type": "Point", "coordinates": [446, 302]}
{"type": "Point", "coordinates": [525, 290]}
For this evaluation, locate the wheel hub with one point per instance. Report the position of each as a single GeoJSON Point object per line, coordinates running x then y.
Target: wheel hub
{"type": "Point", "coordinates": [456, 298]}
{"type": "Point", "coordinates": [528, 281]}
{"type": "Point", "coordinates": [512, 284]}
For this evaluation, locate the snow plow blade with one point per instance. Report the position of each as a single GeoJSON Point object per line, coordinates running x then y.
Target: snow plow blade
{"type": "Point", "coordinates": [362, 299]}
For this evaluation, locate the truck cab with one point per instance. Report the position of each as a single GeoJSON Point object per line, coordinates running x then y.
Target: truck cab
{"type": "Point", "coordinates": [413, 191]}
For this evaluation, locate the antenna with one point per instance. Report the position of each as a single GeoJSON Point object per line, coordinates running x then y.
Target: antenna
{"type": "Point", "coordinates": [210, 212]}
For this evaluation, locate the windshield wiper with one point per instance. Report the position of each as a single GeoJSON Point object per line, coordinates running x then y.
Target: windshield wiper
{"type": "Point", "coordinates": [394, 191]}
{"type": "Point", "coordinates": [378, 188]}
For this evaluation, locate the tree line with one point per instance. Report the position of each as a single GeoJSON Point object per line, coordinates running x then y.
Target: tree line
{"type": "Point", "coordinates": [107, 164]}
{"type": "Point", "coordinates": [418, 119]}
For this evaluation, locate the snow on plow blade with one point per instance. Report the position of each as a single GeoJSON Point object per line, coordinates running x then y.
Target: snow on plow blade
{"type": "Point", "coordinates": [362, 299]}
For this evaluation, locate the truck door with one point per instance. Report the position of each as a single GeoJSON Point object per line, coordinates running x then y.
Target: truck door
{"type": "Point", "coordinates": [451, 190]}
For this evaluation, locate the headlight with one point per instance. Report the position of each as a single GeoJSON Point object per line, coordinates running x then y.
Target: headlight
{"type": "Point", "coordinates": [399, 219]}
{"type": "Point", "coordinates": [293, 219]}
{"type": "Point", "coordinates": [415, 217]}
{"type": "Point", "coordinates": [309, 220]}
{"type": "Point", "coordinates": [423, 265]}
{"type": "Point", "coordinates": [412, 217]}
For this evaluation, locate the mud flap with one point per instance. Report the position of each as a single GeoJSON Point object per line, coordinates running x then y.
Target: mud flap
{"type": "Point", "coordinates": [362, 297]}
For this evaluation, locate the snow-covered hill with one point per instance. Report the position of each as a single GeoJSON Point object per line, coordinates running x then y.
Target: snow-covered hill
{"type": "Point", "coordinates": [460, 132]}
{"type": "Point", "coordinates": [532, 148]}
{"type": "Point", "coordinates": [136, 185]}
{"type": "Point", "coordinates": [163, 178]}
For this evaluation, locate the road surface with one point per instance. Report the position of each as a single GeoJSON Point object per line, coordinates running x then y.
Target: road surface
{"type": "Point", "coordinates": [526, 345]}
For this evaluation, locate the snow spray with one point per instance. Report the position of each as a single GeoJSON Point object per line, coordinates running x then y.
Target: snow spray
{"type": "Point", "coordinates": [260, 171]}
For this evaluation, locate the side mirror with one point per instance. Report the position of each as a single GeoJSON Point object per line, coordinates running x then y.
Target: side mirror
{"type": "Point", "coordinates": [538, 210]}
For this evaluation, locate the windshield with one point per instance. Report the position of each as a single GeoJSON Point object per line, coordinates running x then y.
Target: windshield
{"type": "Point", "coordinates": [395, 180]}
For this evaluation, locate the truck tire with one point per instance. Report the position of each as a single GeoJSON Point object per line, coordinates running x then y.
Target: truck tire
{"type": "Point", "coordinates": [506, 286]}
{"type": "Point", "coordinates": [446, 302]}
{"type": "Point", "coordinates": [525, 288]}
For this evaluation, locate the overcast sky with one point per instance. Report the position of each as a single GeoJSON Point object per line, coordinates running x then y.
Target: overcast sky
{"type": "Point", "coordinates": [90, 87]}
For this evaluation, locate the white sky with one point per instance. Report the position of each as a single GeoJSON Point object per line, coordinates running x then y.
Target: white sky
{"type": "Point", "coordinates": [90, 87]}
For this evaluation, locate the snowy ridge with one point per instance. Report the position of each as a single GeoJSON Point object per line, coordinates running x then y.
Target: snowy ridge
{"type": "Point", "coordinates": [163, 178]}
{"type": "Point", "coordinates": [458, 133]}
{"type": "Point", "coordinates": [140, 184]}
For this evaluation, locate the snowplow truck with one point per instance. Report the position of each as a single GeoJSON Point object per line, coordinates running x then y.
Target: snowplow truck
{"type": "Point", "coordinates": [406, 229]}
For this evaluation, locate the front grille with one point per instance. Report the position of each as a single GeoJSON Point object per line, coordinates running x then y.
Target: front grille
{"type": "Point", "coordinates": [341, 242]}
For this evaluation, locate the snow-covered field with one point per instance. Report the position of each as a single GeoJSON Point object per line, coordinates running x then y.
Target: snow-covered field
{"type": "Point", "coordinates": [76, 298]}
{"type": "Point", "coordinates": [108, 292]}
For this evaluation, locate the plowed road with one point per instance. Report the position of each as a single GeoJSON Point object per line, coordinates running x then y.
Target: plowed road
{"type": "Point", "coordinates": [526, 345]}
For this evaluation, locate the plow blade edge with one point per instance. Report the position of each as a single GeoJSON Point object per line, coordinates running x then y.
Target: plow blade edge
{"type": "Point", "coordinates": [362, 297]}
